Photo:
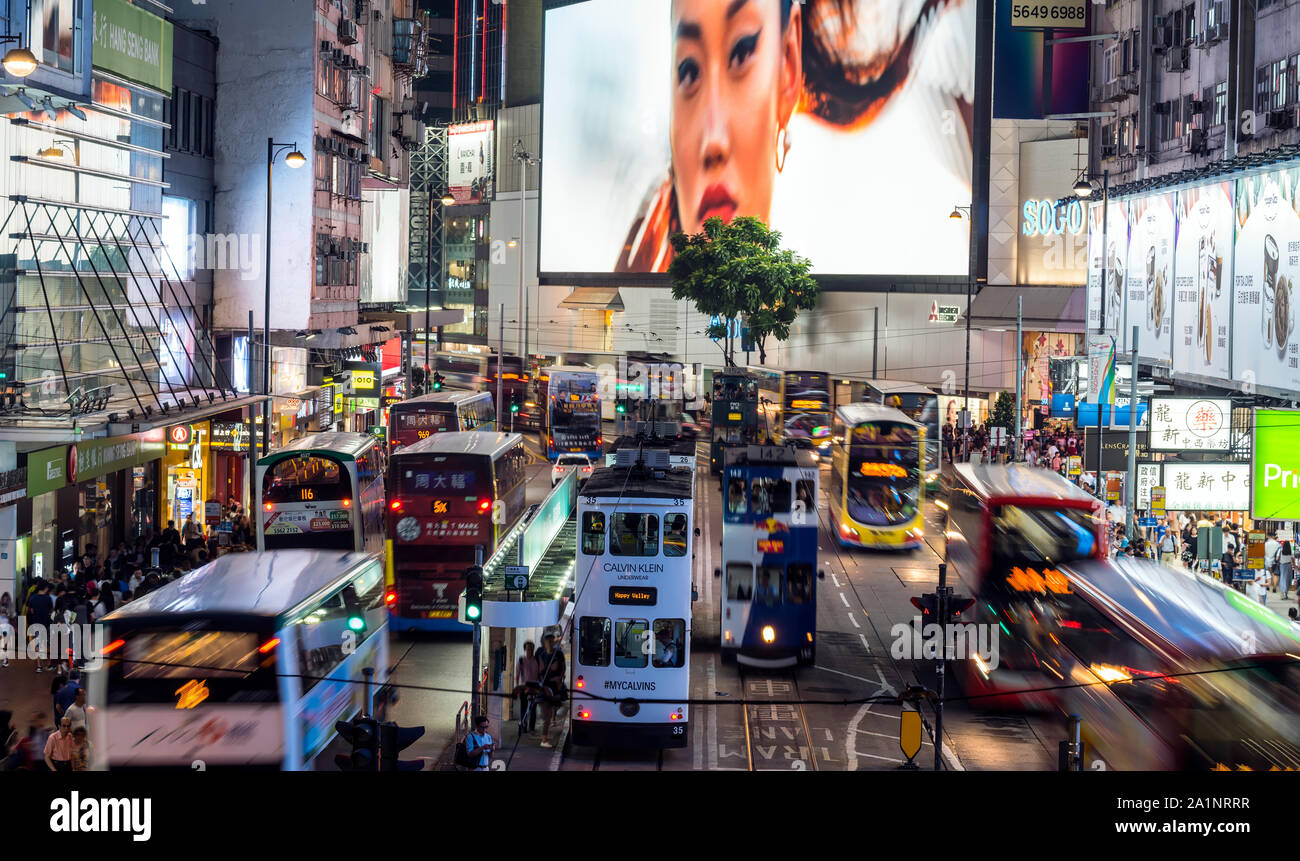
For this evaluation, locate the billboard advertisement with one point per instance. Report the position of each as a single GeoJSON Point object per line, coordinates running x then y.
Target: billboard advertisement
{"type": "Point", "coordinates": [1053, 242]}
{"type": "Point", "coordinates": [1196, 424]}
{"type": "Point", "coordinates": [1275, 465]}
{"type": "Point", "coordinates": [659, 114]}
{"type": "Point", "coordinates": [1207, 486]}
{"type": "Point", "coordinates": [1148, 285]}
{"type": "Point", "coordinates": [1265, 269]}
{"type": "Point", "coordinates": [1113, 257]}
{"type": "Point", "coordinates": [1203, 280]}
{"type": "Point", "coordinates": [469, 161]}
{"type": "Point", "coordinates": [1032, 79]}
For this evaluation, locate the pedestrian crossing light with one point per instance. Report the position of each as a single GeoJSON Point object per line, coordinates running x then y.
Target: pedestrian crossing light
{"type": "Point", "coordinates": [363, 734]}
{"type": "Point", "coordinates": [437, 381]}
{"type": "Point", "coordinates": [514, 406]}
{"type": "Point", "coordinates": [621, 407]}
{"type": "Point", "coordinates": [474, 595]}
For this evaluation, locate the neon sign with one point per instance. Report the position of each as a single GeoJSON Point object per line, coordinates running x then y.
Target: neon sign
{"type": "Point", "coordinates": [1042, 218]}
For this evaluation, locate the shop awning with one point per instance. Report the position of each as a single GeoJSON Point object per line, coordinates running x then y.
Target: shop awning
{"type": "Point", "coordinates": [593, 299]}
{"type": "Point", "coordinates": [1048, 309]}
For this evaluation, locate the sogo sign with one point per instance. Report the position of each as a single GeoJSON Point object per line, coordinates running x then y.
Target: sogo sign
{"type": "Point", "coordinates": [1275, 466]}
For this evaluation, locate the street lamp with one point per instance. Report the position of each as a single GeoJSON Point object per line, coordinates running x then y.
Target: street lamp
{"type": "Point", "coordinates": [294, 159]}
{"type": "Point", "coordinates": [1083, 190]}
{"type": "Point", "coordinates": [525, 158]}
{"type": "Point", "coordinates": [957, 214]}
{"type": "Point", "coordinates": [19, 62]}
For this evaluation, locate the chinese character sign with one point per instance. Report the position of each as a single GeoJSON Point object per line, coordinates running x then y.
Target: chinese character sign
{"type": "Point", "coordinates": [1207, 486]}
{"type": "Point", "coordinates": [1182, 424]}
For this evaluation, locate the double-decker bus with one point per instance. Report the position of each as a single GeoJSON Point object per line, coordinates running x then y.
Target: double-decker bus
{"type": "Point", "coordinates": [449, 496]}
{"type": "Point", "coordinates": [633, 603]}
{"type": "Point", "coordinates": [323, 491]}
{"type": "Point", "coordinates": [573, 412]}
{"type": "Point", "coordinates": [877, 493]}
{"type": "Point", "coordinates": [920, 403]}
{"type": "Point", "coordinates": [769, 556]}
{"type": "Point", "coordinates": [735, 416]}
{"type": "Point", "coordinates": [1167, 668]}
{"type": "Point", "coordinates": [247, 662]}
{"type": "Point", "coordinates": [412, 420]}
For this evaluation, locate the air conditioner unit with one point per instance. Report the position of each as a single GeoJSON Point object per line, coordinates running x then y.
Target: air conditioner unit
{"type": "Point", "coordinates": [1281, 119]}
{"type": "Point", "coordinates": [1177, 59]}
{"type": "Point", "coordinates": [360, 8]}
{"type": "Point", "coordinates": [365, 248]}
{"type": "Point", "coordinates": [1161, 107]}
{"type": "Point", "coordinates": [1198, 106]}
{"type": "Point", "coordinates": [326, 47]}
{"type": "Point", "coordinates": [350, 255]}
{"type": "Point", "coordinates": [1194, 141]}
{"type": "Point", "coordinates": [337, 55]}
{"type": "Point", "coordinates": [1107, 150]}
{"type": "Point", "coordinates": [1131, 83]}
{"type": "Point", "coordinates": [347, 32]}
{"type": "Point", "coordinates": [1161, 34]}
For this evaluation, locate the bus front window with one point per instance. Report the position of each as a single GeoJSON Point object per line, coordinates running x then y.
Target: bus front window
{"type": "Point", "coordinates": [883, 492]}
{"type": "Point", "coordinates": [305, 479]}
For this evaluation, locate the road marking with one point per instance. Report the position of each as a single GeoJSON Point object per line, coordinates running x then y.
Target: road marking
{"type": "Point", "coordinates": [559, 748]}
{"type": "Point", "coordinates": [865, 645]}
{"type": "Point", "coordinates": [842, 598]}
{"type": "Point", "coordinates": [836, 580]}
{"type": "Point", "coordinates": [885, 758]}
{"type": "Point", "coordinates": [712, 736]}
{"type": "Point", "coordinates": [842, 673]}
{"type": "Point", "coordinates": [853, 620]}
{"type": "Point", "coordinates": [924, 741]}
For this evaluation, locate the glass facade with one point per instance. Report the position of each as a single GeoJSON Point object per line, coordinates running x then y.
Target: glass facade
{"type": "Point", "coordinates": [465, 247]}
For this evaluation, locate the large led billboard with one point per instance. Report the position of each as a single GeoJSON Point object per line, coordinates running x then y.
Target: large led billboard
{"type": "Point", "coordinates": [1203, 280]}
{"type": "Point", "coordinates": [848, 135]}
{"type": "Point", "coordinates": [1275, 465]}
{"type": "Point", "coordinates": [1267, 266]}
{"type": "Point", "coordinates": [1148, 285]}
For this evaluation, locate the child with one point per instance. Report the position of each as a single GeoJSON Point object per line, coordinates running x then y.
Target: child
{"type": "Point", "coordinates": [80, 750]}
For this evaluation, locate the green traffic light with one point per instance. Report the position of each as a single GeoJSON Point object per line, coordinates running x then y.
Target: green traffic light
{"type": "Point", "coordinates": [472, 611]}
{"type": "Point", "coordinates": [357, 623]}
{"type": "Point", "coordinates": [514, 408]}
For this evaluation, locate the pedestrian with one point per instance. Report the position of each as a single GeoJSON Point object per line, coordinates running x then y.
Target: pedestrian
{"type": "Point", "coordinates": [104, 603]}
{"type": "Point", "coordinates": [6, 630]}
{"type": "Point", "coordinates": [1227, 565]}
{"type": "Point", "coordinates": [480, 741]}
{"type": "Point", "coordinates": [552, 674]}
{"type": "Point", "coordinates": [67, 694]}
{"type": "Point", "coordinates": [58, 747]}
{"type": "Point", "coordinates": [77, 711]}
{"type": "Point", "coordinates": [40, 613]}
{"type": "Point", "coordinates": [527, 686]}
{"type": "Point", "coordinates": [1271, 548]}
{"type": "Point", "coordinates": [1284, 561]}
{"type": "Point", "coordinates": [80, 749]}
{"type": "Point", "coordinates": [1168, 544]}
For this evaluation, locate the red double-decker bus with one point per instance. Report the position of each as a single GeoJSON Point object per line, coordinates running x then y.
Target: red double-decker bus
{"type": "Point", "coordinates": [448, 495]}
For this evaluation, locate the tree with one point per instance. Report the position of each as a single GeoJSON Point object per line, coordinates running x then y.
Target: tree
{"type": "Point", "coordinates": [1004, 414]}
{"type": "Point", "coordinates": [739, 270]}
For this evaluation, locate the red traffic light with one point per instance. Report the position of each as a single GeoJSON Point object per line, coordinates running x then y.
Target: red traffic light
{"type": "Point", "coordinates": [958, 604]}
{"type": "Point", "coordinates": [928, 604]}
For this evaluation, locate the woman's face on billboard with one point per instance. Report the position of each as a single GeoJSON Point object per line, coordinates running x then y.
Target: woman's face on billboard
{"type": "Point", "coordinates": [736, 77]}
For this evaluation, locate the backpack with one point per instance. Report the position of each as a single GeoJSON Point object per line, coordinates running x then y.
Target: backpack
{"type": "Point", "coordinates": [462, 756]}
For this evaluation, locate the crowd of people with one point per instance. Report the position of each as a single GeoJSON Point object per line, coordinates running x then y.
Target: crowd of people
{"type": "Point", "coordinates": [92, 587]}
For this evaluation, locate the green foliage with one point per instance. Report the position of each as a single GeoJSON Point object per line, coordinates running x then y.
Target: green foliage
{"type": "Point", "coordinates": [1004, 413]}
{"type": "Point", "coordinates": [739, 270]}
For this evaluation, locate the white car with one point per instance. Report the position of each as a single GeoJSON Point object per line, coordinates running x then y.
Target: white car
{"type": "Point", "coordinates": [567, 463]}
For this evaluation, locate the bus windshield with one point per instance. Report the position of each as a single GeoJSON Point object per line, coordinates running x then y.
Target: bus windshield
{"type": "Point", "coordinates": [1042, 536]}
{"type": "Point", "coordinates": [215, 665]}
{"type": "Point", "coordinates": [458, 477]}
{"type": "Point", "coordinates": [884, 474]}
{"type": "Point", "coordinates": [305, 478]}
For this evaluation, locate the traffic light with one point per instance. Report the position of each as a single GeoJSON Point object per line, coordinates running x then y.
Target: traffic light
{"type": "Point", "coordinates": [474, 595]}
{"type": "Point", "coordinates": [621, 406]}
{"type": "Point", "coordinates": [958, 604]}
{"type": "Point", "coordinates": [514, 403]}
{"type": "Point", "coordinates": [437, 381]}
{"type": "Point", "coordinates": [363, 734]}
{"type": "Point", "coordinates": [393, 739]}
{"type": "Point", "coordinates": [928, 604]}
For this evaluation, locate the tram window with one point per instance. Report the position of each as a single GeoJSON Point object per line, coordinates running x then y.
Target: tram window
{"type": "Point", "coordinates": [740, 581]}
{"type": "Point", "coordinates": [670, 634]}
{"type": "Point", "coordinates": [635, 535]}
{"type": "Point", "coordinates": [798, 583]}
{"type": "Point", "coordinates": [593, 533]}
{"type": "Point", "coordinates": [805, 492]}
{"type": "Point", "coordinates": [593, 641]}
{"type": "Point", "coordinates": [675, 535]}
{"type": "Point", "coordinates": [320, 638]}
{"type": "Point", "coordinates": [736, 496]}
{"type": "Point", "coordinates": [769, 585]}
{"type": "Point", "coordinates": [631, 642]}
{"type": "Point", "coordinates": [769, 496]}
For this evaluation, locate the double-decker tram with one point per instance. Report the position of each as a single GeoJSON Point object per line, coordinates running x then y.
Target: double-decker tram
{"type": "Point", "coordinates": [877, 493]}
{"type": "Point", "coordinates": [414, 419]}
{"type": "Point", "coordinates": [769, 556]}
{"type": "Point", "coordinates": [736, 418]}
{"type": "Point", "coordinates": [247, 662]}
{"type": "Point", "coordinates": [322, 491]}
{"type": "Point", "coordinates": [450, 496]}
{"type": "Point", "coordinates": [1167, 668]}
{"type": "Point", "coordinates": [573, 412]}
{"type": "Point", "coordinates": [633, 603]}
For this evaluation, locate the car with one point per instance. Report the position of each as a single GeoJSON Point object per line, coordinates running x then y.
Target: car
{"type": "Point", "coordinates": [567, 463]}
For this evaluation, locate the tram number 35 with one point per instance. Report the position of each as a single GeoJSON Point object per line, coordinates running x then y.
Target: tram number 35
{"type": "Point", "coordinates": [679, 730]}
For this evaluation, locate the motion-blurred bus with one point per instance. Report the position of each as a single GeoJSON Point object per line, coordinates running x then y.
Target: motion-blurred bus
{"type": "Point", "coordinates": [877, 491]}
{"type": "Point", "coordinates": [573, 412]}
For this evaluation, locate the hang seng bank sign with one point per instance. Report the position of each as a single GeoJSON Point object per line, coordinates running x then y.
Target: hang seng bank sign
{"type": "Point", "coordinates": [133, 43]}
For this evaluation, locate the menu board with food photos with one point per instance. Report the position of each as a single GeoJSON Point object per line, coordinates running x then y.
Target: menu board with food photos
{"type": "Point", "coordinates": [1266, 266]}
{"type": "Point", "coordinates": [1203, 280]}
{"type": "Point", "coordinates": [1148, 284]}
{"type": "Point", "coordinates": [1113, 258]}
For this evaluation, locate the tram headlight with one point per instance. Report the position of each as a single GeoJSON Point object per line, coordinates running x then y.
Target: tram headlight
{"type": "Point", "coordinates": [769, 634]}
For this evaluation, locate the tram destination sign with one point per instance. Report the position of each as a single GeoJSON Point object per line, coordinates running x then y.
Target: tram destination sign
{"type": "Point", "coordinates": [640, 595]}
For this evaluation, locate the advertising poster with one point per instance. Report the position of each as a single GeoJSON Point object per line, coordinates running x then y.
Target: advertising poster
{"type": "Point", "coordinates": [657, 115]}
{"type": "Point", "coordinates": [1113, 257]}
{"type": "Point", "coordinates": [1207, 486]}
{"type": "Point", "coordinates": [1203, 280]}
{"type": "Point", "coordinates": [1148, 286]}
{"type": "Point", "coordinates": [469, 160]}
{"type": "Point", "coordinates": [1039, 348]}
{"type": "Point", "coordinates": [1275, 465]}
{"type": "Point", "coordinates": [1266, 266]}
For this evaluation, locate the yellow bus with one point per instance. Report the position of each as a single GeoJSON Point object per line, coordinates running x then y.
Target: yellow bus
{"type": "Point", "coordinates": [877, 486]}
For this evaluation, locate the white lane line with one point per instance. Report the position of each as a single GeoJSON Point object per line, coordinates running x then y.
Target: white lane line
{"type": "Point", "coordinates": [853, 620]}
{"type": "Point", "coordinates": [885, 758]}
{"type": "Point", "coordinates": [558, 756]}
{"type": "Point", "coordinates": [710, 678]}
{"type": "Point", "coordinates": [865, 645]}
{"type": "Point", "coordinates": [924, 741]}
{"type": "Point", "coordinates": [836, 580]}
{"type": "Point", "coordinates": [842, 673]}
{"type": "Point", "coordinates": [845, 600]}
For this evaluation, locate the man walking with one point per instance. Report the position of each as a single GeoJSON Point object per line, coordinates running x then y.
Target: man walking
{"type": "Point", "coordinates": [58, 747]}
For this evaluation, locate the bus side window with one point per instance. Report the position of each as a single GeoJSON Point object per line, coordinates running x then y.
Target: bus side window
{"type": "Point", "coordinates": [804, 492]}
{"type": "Point", "coordinates": [320, 639]}
{"type": "Point", "coordinates": [736, 495]}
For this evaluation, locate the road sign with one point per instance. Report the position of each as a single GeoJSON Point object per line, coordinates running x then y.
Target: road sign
{"type": "Point", "coordinates": [909, 733]}
{"type": "Point", "coordinates": [1158, 501]}
{"type": "Point", "coordinates": [517, 577]}
{"type": "Point", "coordinates": [1255, 551]}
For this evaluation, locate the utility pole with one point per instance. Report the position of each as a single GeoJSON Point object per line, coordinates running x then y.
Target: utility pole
{"type": "Point", "coordinates": [501, 346]}
{"type": "Point", "coordinates": [1131, 482]}
{"type": "Point", "coordinates": [1020, 354]}
{"type": "Point", "coordinates": [941, 602]}
{"type": "Point", "coordinates": [875, 339]}
{"type": "Point", "coordinates": [1105, 298]}
{"type": "Point", "coordinates": [478, 633]}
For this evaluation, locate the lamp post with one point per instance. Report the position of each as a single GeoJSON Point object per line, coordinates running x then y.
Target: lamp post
{"type": "Point", "coordinates": [1083, 190]}
{"type": "Point", "coordinates": [294, 159]}
{"type": "Point", "coordinates": [957, 214]}
{"type": "Point", "coordinates": [525, 158]}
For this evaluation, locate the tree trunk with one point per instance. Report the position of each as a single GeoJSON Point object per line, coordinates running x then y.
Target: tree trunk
{"type": "Point", "coordinates": [761, 343]}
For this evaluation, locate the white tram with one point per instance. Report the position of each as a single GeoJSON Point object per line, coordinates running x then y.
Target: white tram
{"type": "Point", "coordinates": [633, 603]}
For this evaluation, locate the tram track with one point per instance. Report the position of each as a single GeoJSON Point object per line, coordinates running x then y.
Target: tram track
{"type": "Point", "coordinates": [777, 737]}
